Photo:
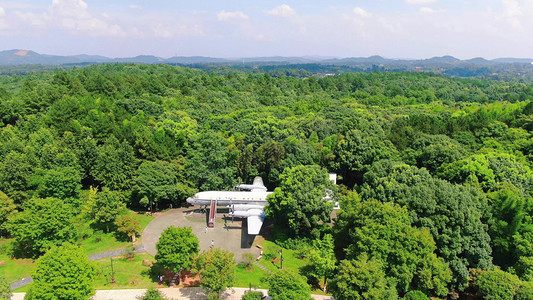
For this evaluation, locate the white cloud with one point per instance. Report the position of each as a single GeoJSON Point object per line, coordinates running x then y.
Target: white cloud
{"type": "Point", "coordinates": [134, 6]}
{"type": "Point", "coordinates": [360, 12]}
{"type": "Point", "coordinates": [420, 2]}
{"type": "Point", "coordinates": [283, 10]}
{"type": "Point", "coordinates": [229, 15]}
{"type": "Point", "coordinates": [429, 10]}
{"type": "Point", "coordinates": [512, 12]}
{"type": "Point", "coordinates": [74, 16]}
{"type": "Point", "coordinates": [3, 24]}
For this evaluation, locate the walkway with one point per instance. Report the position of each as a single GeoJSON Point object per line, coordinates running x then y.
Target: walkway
{"type": "Point", "coordinates": [227, 234]}
{"type": "Point", "coordinates": [171, 293]}
{"type": "Point", "coordinates": [27, 280]}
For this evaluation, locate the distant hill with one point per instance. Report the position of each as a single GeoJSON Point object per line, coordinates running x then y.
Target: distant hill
{"type": "Point", "coordinates": [447, 65]}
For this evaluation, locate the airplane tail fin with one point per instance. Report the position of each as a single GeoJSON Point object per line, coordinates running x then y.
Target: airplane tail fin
{"type": "Point", "coordinates": [258, 181]}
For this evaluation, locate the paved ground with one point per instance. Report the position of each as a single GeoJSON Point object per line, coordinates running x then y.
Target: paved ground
{"type": "Point", "coordinates": [233, 237]}
{"type": "Point", "coordinates": [171, 293]}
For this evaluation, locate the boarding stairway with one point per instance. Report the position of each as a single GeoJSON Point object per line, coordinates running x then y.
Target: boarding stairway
{"type": "Point", "coordinates": [212, 213]}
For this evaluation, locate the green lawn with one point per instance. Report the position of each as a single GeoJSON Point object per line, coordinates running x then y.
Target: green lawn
{"type": "Point", "coordinates": [256, 277]}
{"type": "Point", "coordinates": [290, 257]}
{"type": "Point", "coordinates": [291, 260]}
{"type": "Point", "coordinates": [14, 269]}
{"type": "Point", "coordinates": [96, 241]}
{"type": "Point", "coordinates": [128, 273]}
{"type": "Point", "coordinates": [99, 241]}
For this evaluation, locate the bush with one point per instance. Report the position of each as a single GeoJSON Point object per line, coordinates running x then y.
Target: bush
{"type": "Point", "coordinates": [271, 251]}
{"type": "Point", "coordinates": [252, 296]}
{"type": "Point", "coordinates": [152, 294]}
{"type": "Point", "coordinates": [5, 291]}
{"type": "Point", "coordinates": [497, 284]}
{"type": "Point", "coordinates": [127, 226]}
{"type": "Point", "coordinates": [248, 260]}
{"type": "Point", "coordinates": [415, 295]}
{"type": "Point", "coordinates": [129, 252]}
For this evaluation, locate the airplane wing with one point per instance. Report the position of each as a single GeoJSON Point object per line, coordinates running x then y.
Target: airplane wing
{"type": "Point", "coordinates": [254, 224]}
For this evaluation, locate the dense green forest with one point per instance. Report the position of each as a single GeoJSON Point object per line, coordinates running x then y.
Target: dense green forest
{"type": "Point", "coordinates": [435, 177]}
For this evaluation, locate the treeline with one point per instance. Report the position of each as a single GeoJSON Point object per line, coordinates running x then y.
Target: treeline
{"type": "Point", "coordinates": [448, 160]}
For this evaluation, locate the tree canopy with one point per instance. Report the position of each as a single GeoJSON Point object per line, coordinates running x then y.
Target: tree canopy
{"type": "Point", "coordinates": [63, 273]}
{"type": "Point", "coordinates": [42, 224]}
{"type": "Point", "coordinates": [177, 248]}
{"type": "Point", "coordinates": [217, 271]}
{"type": "Point", "coordinates": [286, 284]}
{"type": "Point", "coordinates": [300, 201]}
{"type": "Point", "coordinates": [446, 160]}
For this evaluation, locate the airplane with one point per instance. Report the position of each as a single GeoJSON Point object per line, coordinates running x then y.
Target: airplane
{"type": "Point", "coordinates": [249, 202]}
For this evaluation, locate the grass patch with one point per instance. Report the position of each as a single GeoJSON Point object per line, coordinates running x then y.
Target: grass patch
{"type": "Point", "coordinates": [14, 269]}
{"type": "Point", "coordinates": [98, 241]}
{"type": "Point", "coordinates": [291, 258]}
{"type": "Point", "coordinates": [255, 276]}
{"type": "Point", "coordinates": [128, 273]}
{"type": "Point", "coordinates": [95, 241]}
{"type": "Point", "coordinates": [143, 218]}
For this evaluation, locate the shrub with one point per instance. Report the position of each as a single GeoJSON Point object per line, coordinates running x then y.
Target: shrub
{"type": "Point", "coordinates": [252, 296]}
{"type": "Point", "coordinates": [415, 295]}
{"type": "Point", "coordinates": [248, 260]}
{"type": "Point", "coordinates": [152, 294]}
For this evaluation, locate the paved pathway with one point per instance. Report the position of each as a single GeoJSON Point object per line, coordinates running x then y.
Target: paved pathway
{"type": "Point", "coordinates": [228, 235]}
{"type": "Point", "coordinates": [171, 293]}
{"type": "Point", "coordinates": [27, 280]}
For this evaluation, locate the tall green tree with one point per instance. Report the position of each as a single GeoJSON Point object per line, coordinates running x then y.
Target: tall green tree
{"type": "Point", "coordinates": [62, 183]}
{"type": "Point", "coordinates": [7, 209]}
{"type": "Point", "coordinates": [362, 278]}
{"type": "Point", "coordinates": [322, 257]}
{"type": "Point", "coordinates": [455, 215]}
{"type": "Point", "coordinates": [107, 206]}
{"type": "Point", "coordinates": [128, 225]}
{"type": "Point", "coordinates": [210, 162]}
{"type": "Point", "coordinates": [497, 284]}
{"type": "Point", "coordinates": [287, 284]}
{"type": "Point", "coordinates": [15, 173]}
{"type": "Point", "coordinates": [177, 248]}
{"type": "Point", "coordinates": [509, 217]}
{"type": "Point", "coordinates": [384, 231]}
{"type": "Point", "coordinates": [115, 165]}
{"type": "Point", "coordinates": [63, 273]}
{"type": "Point", "coordinates": [217, 271]}
{"type": "Point", "coordinates": [300, 200]}
{"type": "Point", "coordinates": [162, 182]}
{"type": "Point", "coordinates": [357, 151]}
{"type": "Point", "coordinates": [42, 224]}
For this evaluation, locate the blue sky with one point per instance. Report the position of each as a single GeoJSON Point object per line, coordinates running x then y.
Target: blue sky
{"type": "Point", "coordinates": [248, 28]}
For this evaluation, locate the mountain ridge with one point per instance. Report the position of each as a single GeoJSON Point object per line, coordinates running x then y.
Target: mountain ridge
{"type": "Point", "coordinates": [22, 57]}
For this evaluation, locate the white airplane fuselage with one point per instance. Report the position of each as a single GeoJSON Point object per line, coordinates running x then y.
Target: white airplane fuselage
{"type": "Point", "coordinates": [225, 198]}
{"type": "Point", "coordinates": [248, 204]}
